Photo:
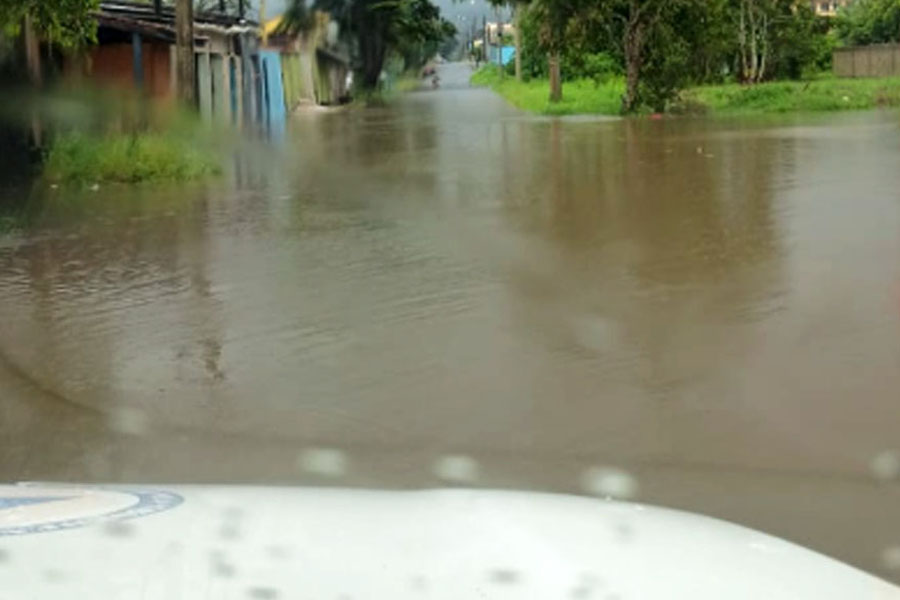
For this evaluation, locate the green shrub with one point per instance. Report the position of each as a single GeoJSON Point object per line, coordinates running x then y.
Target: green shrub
{"type": "Point", "coordinates": [825, 94]}
{"type": "Point", "coordinates": [76, 157]}
{"type": "Point", "coordinates": [583, 96]}
{"type": "Point", "coordinates": [586, 96]}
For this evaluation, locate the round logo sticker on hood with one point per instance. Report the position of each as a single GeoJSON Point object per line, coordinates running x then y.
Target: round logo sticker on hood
{"type": "Point", "coordinates": [26, 509]}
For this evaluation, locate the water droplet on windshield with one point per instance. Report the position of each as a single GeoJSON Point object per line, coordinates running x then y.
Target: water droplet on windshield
{"type": "Point", "coordinates": [327, 462]}
{"type": "Point", "coordinates": [885, 465]}
{"type": "Point", "coordinates": [130, 421]}
{"type": "Point", "coordinates": [890, 558]}
{"type": "Point", "coordinates": [118, 529]}
{"type": "Point", "coordinates": [54, 576]}
{"type": "Point", "coordinates": [456, 469]}
{"type": "Point", "coordinates": [609, 482]}
{"type": "Point", "coordinates": [504, 576]}
{"type": "Point", "coordinates": [223, 570]}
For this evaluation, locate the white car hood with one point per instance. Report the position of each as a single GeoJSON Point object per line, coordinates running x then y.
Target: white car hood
{"type": "Point", "coordinates": [59, 541]}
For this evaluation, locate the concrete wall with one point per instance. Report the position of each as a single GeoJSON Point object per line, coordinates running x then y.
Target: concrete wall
{"type": "Point", "coordinates": [882, 60]}
{"type": "Point", "coordinates": [330, 79]}
{"type": "Point", "coordinates": [112, 65]}
{"type": "Point", "coordinates": [204, 84]}
{"type": "Point", "coordinates": [257, 86]}
{"type": "Point", "coordinates": [291, 74]}
{"type": "Point", "coordinates": [307, 75]}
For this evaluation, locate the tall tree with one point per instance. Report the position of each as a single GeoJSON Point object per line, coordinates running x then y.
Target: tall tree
{"type": "Point", "coordinates": [555, 18]}
{"type": "Point", "coordinates": [777, 38]}
{"type": "Point", "coordinates": [184, 51]}
{"type": "Point", "coordinates": [380, 26]}
{"type": "Point", "coordinates": [518, 8]}
{"type": "Point", "coordinates": [66, 23]}
{"type": "Point", "coordinates": [754, 18]}
{"type": "Point", "coordinates": [639, 18]}
{"type": "Point", "coordinates": [869, 22]}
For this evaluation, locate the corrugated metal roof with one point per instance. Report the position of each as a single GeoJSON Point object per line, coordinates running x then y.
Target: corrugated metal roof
{"type": "Point", "coordinates": [143, 17]}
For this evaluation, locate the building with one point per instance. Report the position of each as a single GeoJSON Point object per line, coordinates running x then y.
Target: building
{"type": "Point", "coordinates": [135, 51]}
{"type": "Point", "coordinates": [829, 8]}
{"type": "Point", "coordinates": [315, 64]}
{"type": "Point", "coordinates": [499, 39]}
{"type": "Point", "coordinates": [238, 80]}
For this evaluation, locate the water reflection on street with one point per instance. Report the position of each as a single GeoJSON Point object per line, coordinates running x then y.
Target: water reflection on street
{"type": "Point", "coordinates": [445, 291]}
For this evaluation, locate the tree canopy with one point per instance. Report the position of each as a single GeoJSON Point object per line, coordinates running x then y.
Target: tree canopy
{"type": "Point", "coordinates": [869, 22]}
{"type": "Point", "coordinates": [660, 46]}
{"type": "Point", "coordinates": [377, 27]}
{"type": "Point", "coordinates": [67, 23]}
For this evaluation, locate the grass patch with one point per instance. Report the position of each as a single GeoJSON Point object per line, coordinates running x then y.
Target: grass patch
{"type": "Point", "coordinates": [127, 158]}
{"type": "Point", "coordinates": [826, 93]}
{"type": "Point", "coordinates": [583, 96]}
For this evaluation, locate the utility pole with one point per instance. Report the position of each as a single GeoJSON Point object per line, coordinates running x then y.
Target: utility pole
{"type": "Point", "coordinates": [184, 51]}
{"type": "Point", "coordinates": [485, 44]}
{"type": "Point", "coordinates": [500, 43]}
{"type": "Point", "coordinates": [517, 32]}
{"type": "Point", "coordinates": [262, 23]}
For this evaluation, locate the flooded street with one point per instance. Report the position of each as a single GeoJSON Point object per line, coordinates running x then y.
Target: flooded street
{"type": "Point", "coordinates": [447, 291]}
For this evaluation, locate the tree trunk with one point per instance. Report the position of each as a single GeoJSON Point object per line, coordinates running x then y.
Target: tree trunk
{"type": "Point", "coordinates": [742, 41]}
{"type": "Point", "coordinates": [35, 75]}
{"type": "Point", "coordinates": [185, 81]}
{"type": "Point", "coordinates": [634, 56]}
{"type": "Point", "coordinates": [763, 49]}
{"type": "Point", "coordinates": [372, 49]}
{"type": "Point", "coordinates": [32, 52]}
{"type": "Point", "coordinates": [555, 79]}
{"type": "Point", "coordinates": [517, 36]}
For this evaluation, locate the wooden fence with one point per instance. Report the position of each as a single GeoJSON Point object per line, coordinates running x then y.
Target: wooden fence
{"type": "Point", "coordinates": [882, 60]}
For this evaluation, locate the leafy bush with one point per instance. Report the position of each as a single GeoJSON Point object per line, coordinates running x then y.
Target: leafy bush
{"type": "Point", "coordinates": [788, 96]}
{"type": "Point", "coordinates": [131, 158]}
{"type": "Point", "coordinates": [869, 22]}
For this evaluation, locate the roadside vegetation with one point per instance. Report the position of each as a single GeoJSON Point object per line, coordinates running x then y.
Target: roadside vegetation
{"type": "Point", "coordinates": [397, 37]}
{"type": "Point", "coordinates": [583, 96]}
{"type": "Point", "coordinates": [587, 96]}
{"type": "Point", "coordinates": [127, 158]}
{"type": "Point", "coordinates": [627, 56]}
{"type": "Point", "coordinates": [824, 94]}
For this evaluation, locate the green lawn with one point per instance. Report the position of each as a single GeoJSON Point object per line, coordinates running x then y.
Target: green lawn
{"type": "Point", "coordinates": [586, 97]}
{"type": "Point", "coordinates": [127, 158]}
{"type": "Point", "coordinates": [579, 97]}
{"type": "Point", "coordinates": [825, 94]}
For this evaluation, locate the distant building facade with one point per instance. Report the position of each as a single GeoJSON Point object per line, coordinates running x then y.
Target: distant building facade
{"type": "Point", "coordinates": [829, 8]}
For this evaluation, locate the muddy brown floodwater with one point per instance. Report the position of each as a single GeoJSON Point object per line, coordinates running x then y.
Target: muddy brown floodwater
{"type": "Point", "coordinates": [697, 313]}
